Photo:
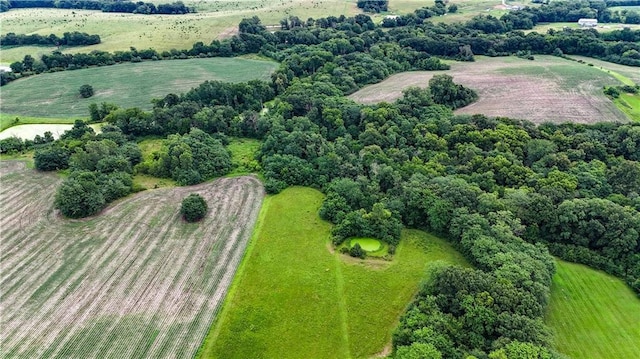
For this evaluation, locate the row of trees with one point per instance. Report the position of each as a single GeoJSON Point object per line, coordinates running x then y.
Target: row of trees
{"type": "Point", "coordinates": [74, 38]}
{"type": "Point", "coordinates": [121, 6]}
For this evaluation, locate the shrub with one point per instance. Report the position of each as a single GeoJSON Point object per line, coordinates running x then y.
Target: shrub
{"type": "Point", "coordinates": [86, 91]}
{"type": "Point", "coordinates": [357, 251]}
{"type": "Point", "coordinates": [193, 208]}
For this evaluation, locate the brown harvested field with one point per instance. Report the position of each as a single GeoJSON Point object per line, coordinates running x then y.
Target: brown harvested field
{"type": "Point", "coordinates": [134, 282]}
{"type": "Point", "coordinates": [546, 89]}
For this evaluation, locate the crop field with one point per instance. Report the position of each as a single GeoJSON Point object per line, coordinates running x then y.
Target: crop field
{"type": "Point", "coordinates": [127, 85]}
{"type": "Point", "coordinates": [594, 315]}
{"type": "Point", "coordinates": [133, 282]}
{"type": "Point", "coordinates": [293, 291]}
{"type": "Point", "coordinates": [214, 20]}
{"type": "Point", "coordinates": [628, 73]}
{"type": "Point", "coordinates": [546, 89]}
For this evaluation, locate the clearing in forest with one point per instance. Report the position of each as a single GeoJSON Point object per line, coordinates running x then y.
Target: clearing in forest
{"type": "Point", "coordinates": [135, 281]}
{"type": "Point", "coordinates": [293, 291]}
{"type": "Point", "coordinates": [546, 89]}
{"type": "Point", "coordinates": [593, 315]}
{"type": "Point", "coordinates": [127, 85]}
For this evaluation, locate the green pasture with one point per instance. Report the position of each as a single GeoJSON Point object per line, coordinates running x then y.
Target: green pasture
{"type": "Point", "coordinates": [629, 104]}
{"type": "Point", "coordinates": [127, 85]}
{"type": "Point", "coordinates": [593, 315]}
{"type": "Point", "coordinates": [294, 291]}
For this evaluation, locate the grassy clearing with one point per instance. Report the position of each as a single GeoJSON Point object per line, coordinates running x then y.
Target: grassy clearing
{"type": "Point", "coordinates": [243, 152]}
{"type": "Point", "coordinates": [127, 85]}
{"type": "Point", "coordinates": [546, 89]}
{"type": "Point", "coordinates": [135, 281]}
{"type": "Point", "coordinates": [368, 244]}
{"type": "Point", "coordinates": [594, 315]}
{"type": "Point", "coordinates": [293, 291]}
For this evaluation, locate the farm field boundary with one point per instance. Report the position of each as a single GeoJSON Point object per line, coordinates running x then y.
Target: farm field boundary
{"type": "Point", "coordinates": [294, 291]}
{"type": "Point", "coordinates": [126, 85]}
{"type": "Point", "coordinates": [135, 281]}
{"type": "Point", "coordinates": [593, 314]}
{"type": "Point", "coordinates": [546, 89]}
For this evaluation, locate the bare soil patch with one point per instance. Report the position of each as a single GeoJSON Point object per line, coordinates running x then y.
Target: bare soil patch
{"type": "Point", "coordinates": [547, 89]}
{"type": "Point", "coordinates": [134, 281]}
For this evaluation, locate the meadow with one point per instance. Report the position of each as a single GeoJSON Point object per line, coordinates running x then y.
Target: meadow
{"type": "Point", "coordinates": [127, 85]}
{"type": "Point", "coordinates": [135, 281]}
{"type": "Point", "coordinates": [546, 89]}
{"type": "Point", "coordinates": [294, 291]}
{"type": "Point", "coordinates": [593, 315]}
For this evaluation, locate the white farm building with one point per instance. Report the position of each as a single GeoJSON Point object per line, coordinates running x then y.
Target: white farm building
{"type": "Point", "coordinates": [588, 22]}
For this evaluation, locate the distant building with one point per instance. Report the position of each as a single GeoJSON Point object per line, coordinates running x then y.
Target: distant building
{"type": "Point", "coordinates": [588, 22]}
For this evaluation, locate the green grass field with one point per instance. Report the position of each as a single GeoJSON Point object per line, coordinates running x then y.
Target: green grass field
{"type": "Point", "coordinates": [127, 85]}
{"type": "Point", "coordinates": [293, 291]}
{"type": "Point", "coordinates": [629, 104]}
{"type": "Point", "coordinates": [593, 315]}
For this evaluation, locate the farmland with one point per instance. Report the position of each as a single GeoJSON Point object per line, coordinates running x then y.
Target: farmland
{"type": "Point", "coordinates": [546, 89]}
{"type": "Point", "coordinates": [293, 291]}
{"type": "Point", "coordinates": [135, 281]}
{"type": "Point", "coordinates": [215, 19]}
{"type": "Point", "coordinates": [127, 85]}
{"type": "Point", "coordinates": [593, 315]}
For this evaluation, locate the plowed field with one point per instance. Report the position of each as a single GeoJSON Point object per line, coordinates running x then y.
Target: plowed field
{"type": "Point", "coordinates": [546, 89]}
{"type": "Point", "coordinates": [133, 282]}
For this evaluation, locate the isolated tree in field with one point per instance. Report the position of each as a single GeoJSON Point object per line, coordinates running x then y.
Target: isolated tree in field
{"type": "Point", "coordinates": [193, 208]}
{"type": "Point", "coordinates": [86, 91]}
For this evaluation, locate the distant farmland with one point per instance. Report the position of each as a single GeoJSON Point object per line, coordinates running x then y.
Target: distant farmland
{"type": "Point", "coordinates": [134, 282]}
{"type": "Point", "coordinates": [127, 85]}
{"type": "Point", "coordinates": [593, 315]}
{"type": "Point", "coordinates": [546, 89]}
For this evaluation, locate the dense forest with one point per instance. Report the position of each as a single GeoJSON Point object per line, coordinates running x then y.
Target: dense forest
{"type": "Point", "coordinates": [121, 6]}
{"type": "Point", "coordinates": [508, 194]}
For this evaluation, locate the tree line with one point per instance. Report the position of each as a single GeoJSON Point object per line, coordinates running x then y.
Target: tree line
{"type": "Point", "coordinates": [120, 6]}
{"type": "Point", "coordinates": [74, 38]}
